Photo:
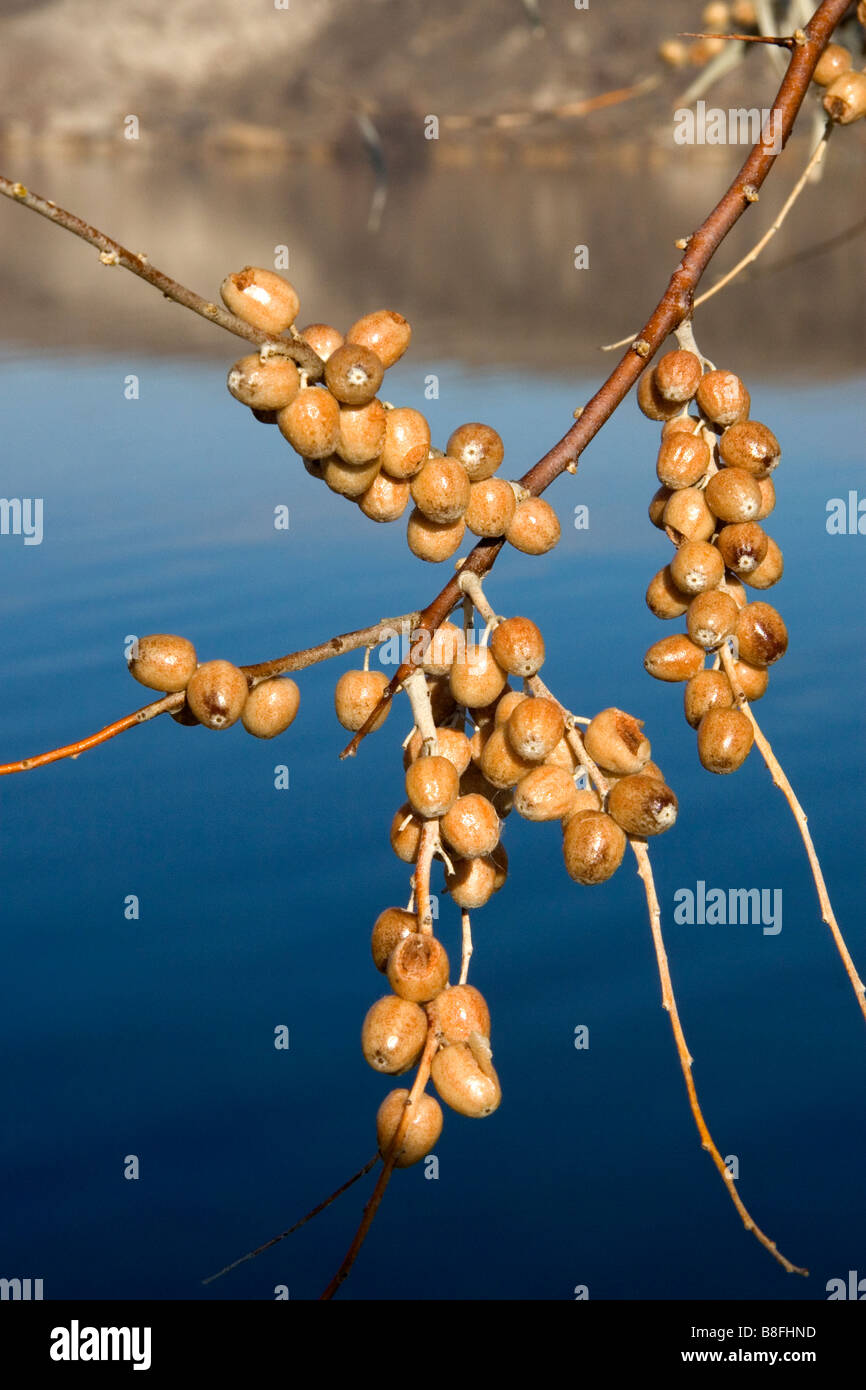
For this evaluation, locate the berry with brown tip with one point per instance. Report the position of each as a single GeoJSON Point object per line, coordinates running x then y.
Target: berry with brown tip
{"type": "Point", "coordinates": [356, 695]}
{"type": "Point", "coordinates": [761, 635]}
{"type": "Point", "coordinates": [769, 571]}
{"type": "Point", "coordinates": [534, 529]}
{"type": "Point", "coordinates": [743, 546]}
{"type": "Point", "coordinates": [393, 1035]}
{"type": "Point", "coordinates": [845, 98]}
{"type": "Point", "coordinates": [353, 374]}
{"type": "Point", "coordinates": [723, 398]}
{"type": "Point", "coordinates": [642, 805]}
{"type": "Point", "coordinates": [593, 846]}
{"type": "Point", "coordinates": [478, 447]}
{"type": "Point", "coordinates": [162, 661]}
{"type": "Point", "coordinates": [616, 741]}
{"type": "Point", "coordinates": [750, 445]}
{"type": "Point", "coordinates": [518, 646]}
{"type": "Point", "coordinates": [271, 707]}
{"type": "Point", "coordinates": [217, 693]}
{"type": "Point", "coordinates": [418, 967]}
{"type": "Point", "coordinates": [384, 332]}
{"type": "Point", "coordinates": [424, 1128]}
{"type": "Point", "coordinates": [725, 738]}
{"type": "Point", "coordinates": [262, 298]}
{"type": "Point", "coordinates": [268, 383]}
{"type": "Point", "coordinates": [311, 423]}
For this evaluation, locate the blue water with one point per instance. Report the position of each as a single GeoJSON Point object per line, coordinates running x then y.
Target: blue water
{"type": "Point", "coordinates": [154, 1037]}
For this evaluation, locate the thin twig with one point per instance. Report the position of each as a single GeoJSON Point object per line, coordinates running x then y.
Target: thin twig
{"type": "Point", "coordinates": [644, 869]}
{"type": "Point", "coordinates": [466, 926]}
{"type": "Point", "coordinates": [251, 1254]}
{"type": "Point", "coordinates": [428, 845]}
{"type": "Point", "coordinates": [781, 781]}
{"type": "Point", "coordinates": [781, 41]}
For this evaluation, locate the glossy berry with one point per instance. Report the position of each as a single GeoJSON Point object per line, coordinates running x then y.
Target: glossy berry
{"type": "Point", "coordinates": [389, 928]}
{"type": "Point", "coordinates": [467, 1086]}
{"type": "Point", "coordinates": [217, 693]}
{"type": "Point", "coordinates": [711, 618]}
{"type": "Point", "coordinates": [384, 332]}
{"type": "Point", "coordinates": [353, 374]}
{"type": "Point", "coordinates": [705, 691]}
{"type": "Point", "coordinates": [432, 786]}
{"type": "Point", "coordinates": [362, 432]}
{"type": "Point", "coordinates": [451, 744]}
{"type": "Point", "coordinates": [350, 480]}
{"type": "Point", "coordinates": [658, 502]}
{"type": "Point", "coordinates": [725, 738]}
{"type": "Point", "coordinates": [479, 448]}
{"type": "Point", "coordinates": [723, 398]}
{"type": "Point", "coordinates": [322, 338]}
{"type": "Point", "coordinates": [687, 515]}
{"type": "Point", "coordinates": [733, 495]}
{"type": "Point", "coordinates": [385, 500]}
{"type": "Point", "coordinates": [271, 707]}
{"type": "Point", "coordinates": [675, 658]}
{"type": "Point", "coordinates": [616, 741]}
{"type": "Point", "coordinates": [677, 375]}
{"type": "Point", "coordinates": [534, 728]}
{"type": "Point", "coordinates": [761, 635]}
{"type": "Point", "coordinates": [592, 846]}
{"type": "Point", "coordinates": [433, 541]}
{"type": "Point", "coordinates": [261, 298]}
{"type": "Point", "coordinates": [682, 424]}
{"type": "Point", "coordinates": [406, 834]}
{"type": "Point", "coordinates": [518, 646]}
{"type": "Point", "coordinates": [505, 706]}
{"type": "Point", "coordinates": [682, 460]}
{"type": "Point", "coordinates": [476, 677]}
{"type": "Point", "coordinates": [473, 882]}
{"type": "Point", "coordinates": [753, 680]}
{"type": "Point", "coordinates": [407, 443]}
{"type": "Point", "coordinates": [768, 497]}
{"type": "Point", "coordinates": [438, 650]}
{"type": "Point", "coordinates": [835, 60]}
{"type": "Point", "coordinates": [845, 98]}
{"type": "Point", "coordinates": [534, 529]}
{"type": "Point", "coordinates": [471, 827]}
{"type": "Point", "coordinates": [751, 446]}
{"type": "Point", "coordinates": [642, 805]}
{"type": "Point", "coordinates": [585, 799]}
{"type": "Point", "coordinates": [500, 764]}
{"type": "Point", "coordinates": [492, 504]}
{"type": "Point", "coordinates": [163, 662]}
{"type": "Point", "coordinates": [264, 384]}
{"type": "Point", "coordinates": [393, 1035]}
{"type": "Point", "coordinates": [459, 1012]}
{"type": "Point", "coordinates": [696, 567]}
{"type": "Point", "coordinates": [652, 402]}
{"type": "Point", "coordinates": [743, 546]}
{"type": "Point", "coordinates": [418, 968]}
{"type": "Point", "coordinates": [663, 598]}
{"type": "Point", "coordinates": [355, 697]}
{"type": "Point", "coordinates": [441, 490]}
{"type": "Point", "coordinates": [545, 793]}
{"type": "Point", "coordinates": [311, 423]}
{"type": "Point", "coordinates": [769, 571]}
{"type": "Point", "coordinates": [424, 1128]}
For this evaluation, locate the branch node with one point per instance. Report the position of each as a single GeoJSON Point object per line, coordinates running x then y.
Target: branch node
{"type": "Point", "coordinates": [750, 193]}
{"type": "Point", "coordinates": [641, 347]}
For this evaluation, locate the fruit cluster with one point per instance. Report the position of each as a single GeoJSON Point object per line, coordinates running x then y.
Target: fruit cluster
{"type": "Point", "coordinates": [218, 693]}
{"type": "Point", "coordinates": [844, 88]}
{"type": "Point", "coordinates": [716, 488]}
{"type": "Point", "coordinates": [377, 455]}
{"type": "Point", "coordinates": [492, 749]}
{"type": "Point", "coordinates": [717, 18]}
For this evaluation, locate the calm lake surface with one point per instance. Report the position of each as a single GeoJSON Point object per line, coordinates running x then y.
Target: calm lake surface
{"type": "Point", "coordinates": [154, 1037]}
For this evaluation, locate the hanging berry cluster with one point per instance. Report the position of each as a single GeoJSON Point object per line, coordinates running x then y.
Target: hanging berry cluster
{"type": "Point", "coordinates": [377, 455]}
{"type": "Point", "coordinates": [714, 469]}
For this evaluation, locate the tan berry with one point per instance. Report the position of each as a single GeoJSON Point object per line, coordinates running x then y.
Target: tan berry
{"type": "Point", "coordinates": [616, 741]}
{"type": "Point", "coordinates": [656, 509]}
{"type": "Point", "coordinates": [479, 448]}
{"type": "Point", "coordinates": [687, 515]}
{"type": "Point", "coordinates": [322, 338]}
{"type": "Point", "coordinates": [518, 646]}
{"type": "Point", "coordinates": [499, 763]}
{"type": "Point", "coordinates": [705, 691]}
{"type": "Point", "coordinates": [471, 827]}
{"type": "Point", "coordinates": [264, 385]}
{"type": "Point", "coordinates": [734, 586]}
{"type": "Point", "coordinates": [311, 423]}
{"type": "Point", "coordinates": [733, 495]}
{"type": "Point", "coordinates": [768, 497]}
{"type": "Point", "coordinates": [845, 98]}
{"type": "Point", "coordinates": [473, 882]}
{"type": "Point", "coordinates": [393, 1035]}
{"type": "Point", "coordinates": [761, 635]}
{"type": "Point", "coordinates": [769, 570]}
{"type": "Point", "coordinates": [681, 424]}
{"type": "Point", "coordinates": [362, 432]}
{"type": "Point", "coordinates": [563, 755]}
{"type": "Point", "coordinates": [459, 1012]}
{"type": "Point", "coordinates": [592, 846]}
{"type": "Point", "coordinates": [677, 375]}
{"type": "Point", "coordinates": [546, 793]}
{"type": "Point", "coordinates": [424, 1128]}
{"type": "Point", "coordinates": [356, 695]}
{"type": "Point", "coordinates": [723, 398]}
{"type": "Point", "coordinates": [353, 374]}
{"type": "Point", "coordinates": [432, 786]}
{"type": "Point", "coordinates": [725, 738]}
{"type": "Point", "coordinates": [506, 705]}
{"type": "Point", "coordinates": [389, 928]}
{"type": "Point", "coordinates": [652, 402]}
{"type": "Point", "coordinates": [162, 661]}
{"type": "Point", "coordinates": [464, 1076]}
{"type": "Point", "coordinates": [534, 529]}
{"type": "Point", "coordinates": [437, 651]}
{"type": "Point", "coordinates": [271, 707]}
{"type": "Point", "coordinates": [217, 693]}
{"type": "Point", "coordinates": [406, 834]}
{"type": "Point", "coordinates": [349, 479]}
{"type": "Point", "coordinates": [433, 541]}
{"type": "Point", "coordinates": [476, 677]}
{"type": "Point", "coordinates": [451, 744]}
{"type": "Point", "coordinates": [385, 332]}
{"type": "Point", "coordinates": [753, 680]}
{"type": "Point", "coordinates": [385, 499]}
{"type": "Point", "coordinates": [751, 446]}
{"type": "Point", "coordinates": [418, 968]}
{"type": "Point", "coordinates": [441, 490]}
{"type": "Point", "coordinates": [492, 504]}
{"type": "Point", "coordinates": [261, 298]}
{"type": "Point", "coordinates": [585, 799]}
{"type": "Point", "coordinates": [835, 60]}
{"type": "Point", "coordinates": [743, 546]}
{"type": "Point", "coordinates": [442, 702]}
{"type": "Point", "coordinates": [696, 567]}
{"type": "Point", "coordinates": [534, 728]}
{"type": "Point", "coordinates": [683, 459]}
{"type": "Point", "coordinates": [642, 805]}
{"type": "Point", "coordinates": [675, 658]}
{"type": "Point", "coordinates": [711, 618]}
{"type": "Point", "coordinates": [663, 598]}
{"type": "Point", "coordinates": [407, 443]}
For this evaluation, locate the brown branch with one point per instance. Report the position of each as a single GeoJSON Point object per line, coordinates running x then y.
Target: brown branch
{"type": "Point", "coordinates": [674, 306]}
{"type": "Point", "coordinates": [112, 253]}
{"type": "Point", "coordinates": [669, 1003]}
{"type": "Point", "coordinates": [781, 40]}
{"type": "Point", "coordinates": [294, 661]}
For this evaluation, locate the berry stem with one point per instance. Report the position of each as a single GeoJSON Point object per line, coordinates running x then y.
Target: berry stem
{"type": "Point", "coordinates": [669, 1003]}
{"type": "Point", "coordinates": [777, 773]}
{"type": "Point", "coordinates": [467, 946]}
{"type": "Point", "coordinates": [421, 878]}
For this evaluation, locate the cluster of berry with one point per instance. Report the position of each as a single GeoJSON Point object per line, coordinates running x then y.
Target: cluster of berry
{"type": "Point", "coordinates": [375, 454]}
{"type": "Point", "coordinates": [716, 489]}
{"type": "Point", "coordinates": [845, 89]}
{"type": "Point", "coordinates": [218, 694]}
{"type": "Point", "coordinates": [717, 16]}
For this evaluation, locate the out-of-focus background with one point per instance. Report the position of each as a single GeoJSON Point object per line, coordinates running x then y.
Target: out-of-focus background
{"type": "Point", "coordinates": [258, 128]}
